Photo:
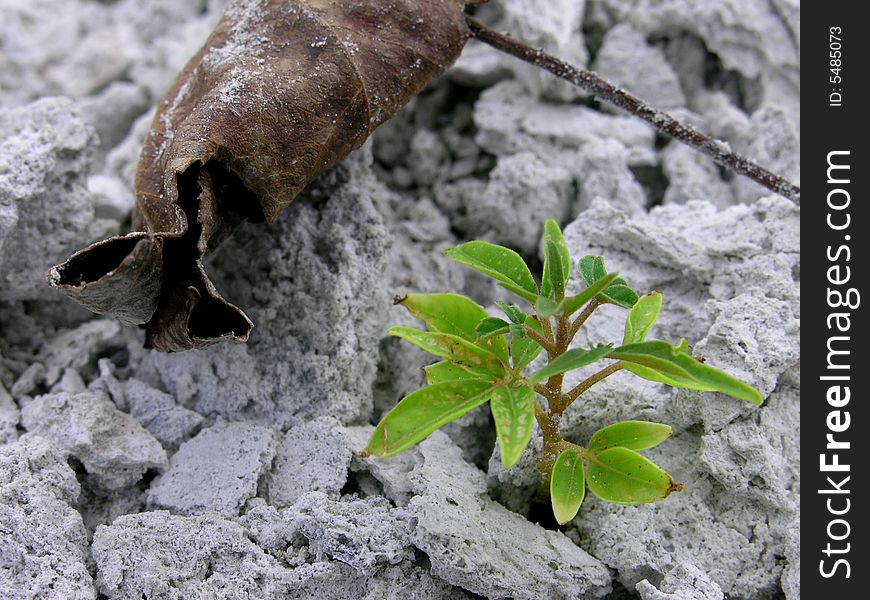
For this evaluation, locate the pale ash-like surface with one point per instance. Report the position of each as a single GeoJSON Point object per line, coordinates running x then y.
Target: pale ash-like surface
{"type": "Point", "coordinates": [100, 437]}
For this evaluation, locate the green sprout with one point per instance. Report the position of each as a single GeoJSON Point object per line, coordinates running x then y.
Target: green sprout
{"type": "Point", "coordinates": [485, 360]}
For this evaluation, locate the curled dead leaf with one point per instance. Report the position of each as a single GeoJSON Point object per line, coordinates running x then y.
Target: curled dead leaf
{"type": "Point", "coordinates": [281, 91]}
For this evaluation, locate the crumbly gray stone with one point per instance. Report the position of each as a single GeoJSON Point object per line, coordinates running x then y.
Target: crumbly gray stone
{"type": "Point", "coordinates": [363, 533]}
{"type": "Point", "coordinates": [683, 582]}
{"type": "Point", "coordinates": [218, 470]}
{"type": "Point", "coordinates": [77, 348]}
{"type": "Point", "coordinates": [693, 177]}
{"type": "Point", "coordinates": [477, 544]}
{"type": "Point", "coordinates": [45, 154]}
{"type": "Point", "coordinates": [159, 555]}
{"type": "Point", "coordinates": [158, 412]}
{"type": "Point", "coordinates": [311, 456]}
{"type": "Point", "coordinates": [44, 547]}
{"type": "Point", "coordinates": [626, 60]}
{"type": "Point", "coordinates": [9, 416]}
{"type": "Point", "coordinates": [113, 448]}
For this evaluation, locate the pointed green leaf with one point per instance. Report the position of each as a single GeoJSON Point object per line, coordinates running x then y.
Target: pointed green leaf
{"type": "Point", "coordinates": [573, 303]}
{"type": "Point", "coordinates": [422, 412]}
{"type": "Point", "coordinates": [513, 410]}
{"type": "Point", "coordinates": [454, 348]}
{"type": "Point", "coordinates": [662, 362]}
{"type": "Point", "coordinates": [567, 485]}
{"type": "Point", "coordinates": [491, 326]}
{"type": "Point", "coordinates": [557, 262]}
{"type": "Point", "coordinates": [546, 307]}
{"type": "Point", "coordinates": [641, 317]}
{"type": "Point", "coordinates": [592, 269]}
{"type": "Point", "coordinates": [523, 348]}
{"type": "Point", "coordinates": [623, 476]}
{"type": "Point", "coordinates": [620, 295]}
{"type": "Point", "coordinates": [500, 263]}
{"type": "Point", "coordinates": [513, 312]}
{"type": "Point", "coordinates": [572, 359]}
{"type": "Point", "coordinates": [683, 346]}
{"type": "Point", "coordinates": [447, 371]}
{"type": "Point", "coordinates": [453, 314]}
{"type": "Point", "coordinates": [634, 435]}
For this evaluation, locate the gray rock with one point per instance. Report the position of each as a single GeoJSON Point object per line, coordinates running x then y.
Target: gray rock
{"type": "Point", "coordinates": [693, 177]}
{"type": "Point", "coordinates": [43, 549]}
{"type": "Point", "coordinates": [479, 545]}
{"type": "Point", "coordinates": [158, 412]}
{"type": "Point", "coordinates": [521, 194]}
{"type": "Point", "coordinates": [77, 348]}
{"type": "Point", "coordinates": [218, 470]}
{"type": "Point", "coordinates": [364, 533]}
{"type": "Point", "coordinates": [311, 457]}
{"type": "Point", "coordinates": [158, 555]}
{"type": "Point", "coordinates": [113, 448]}
{"type": "Point", "coordinates": [9, 416]}
{"type": "Point", "coordinates": [628, 61]}
{"type": "Point", "coordinates": [684, 582]}
{"type": "Point", "coordinates": [45, 154]}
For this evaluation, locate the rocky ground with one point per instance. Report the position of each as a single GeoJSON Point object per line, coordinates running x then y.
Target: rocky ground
{"type": "Point", "coordinates": [232, 472]}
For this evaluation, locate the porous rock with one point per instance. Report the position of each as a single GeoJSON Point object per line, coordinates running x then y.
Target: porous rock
{"type": "Point", "coordinates": [478, 544]}
{"type": "Point", "coordinates": [45, 154]}
{"type": "Point", "coordinates": [218, 470]}
{"type": "Point", "coordinates": [44, 544]}
{"type": "Point", "coordinates": [113, 448]}
{"type": "Point", "coordinates": [626, 60]}
{"type": "Point", "coordinates": [9, 416]}
{"type": "Point", "coordinates": [311, 457]}
{"type": "Point", "coordinates": [683, 582]}
{"type": "Point", "coordinates": [158, 412]}
{"type": "Point", "coordinates": [159, 555]}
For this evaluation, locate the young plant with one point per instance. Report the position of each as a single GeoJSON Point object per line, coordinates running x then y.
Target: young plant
{"type": "Point", "coordinates": [485, 359]}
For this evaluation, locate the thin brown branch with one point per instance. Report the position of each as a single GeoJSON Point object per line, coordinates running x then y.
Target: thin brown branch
{"type": "Point", "coordinates": [544, 343]}
{"type": "Point", "coordinates": [581, 318]}
{"type": "Point", "coordinates": [587, 383]}
{"type": "Point", "coordinates": [719, 151]}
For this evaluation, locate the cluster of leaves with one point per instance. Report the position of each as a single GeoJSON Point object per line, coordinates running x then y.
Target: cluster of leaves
{"type": "Point", "coordinates": [485, 359]}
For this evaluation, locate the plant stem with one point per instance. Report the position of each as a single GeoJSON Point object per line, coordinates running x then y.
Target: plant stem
{"type": "Point", "coordinates": [543, 342]}
{"type": "Point", "coordinates": [590, 381]}
{"type": "Point", "coordinates": [581, 318]}
{"type": "Point", "coordinates": [719, 151]}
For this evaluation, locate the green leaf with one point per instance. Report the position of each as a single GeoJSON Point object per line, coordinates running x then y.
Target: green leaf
{"type": "Point", "coordinates": [572, 359]}
{"type": "Point", "coordinates": [491, 326]}
{"type": "Point", "coordinates": [662, 362]}
{"type": "Point", "coordinates": [546, 307]}
{"type": "Point", "coordinates": [454, 348]}
{"type": "Point", "coordinates": [623, 476]}
{"type": "Point", "coordinates": [453, 314]}
{"type": "Point", "coordinates": [634, 435]}
{"type": "Point", "coordinates": [557, 262]}
{"type": "Point", "coordinates": [592, 269]}
{"type": "Point", "coordinates": [513, 312]}
{"type": "Point", "coordinates": [573, 303]}
{"type": "Point", "coordinates": [500, 263]}
{"type": "Point", "coordinates": [620, 295]}
{"type": "Point", "coordinates": [513, 409]}
{"type": "Point", "coordinates": [567, 485]}
{"type": "Point", "coordinates": [523, 348]}
{"type": "Point", "coordinates": [447, 371]}
{"type": "Point", "coordinates": [641, 317]}
{"type": "Point", "coordinates": [422, 412]}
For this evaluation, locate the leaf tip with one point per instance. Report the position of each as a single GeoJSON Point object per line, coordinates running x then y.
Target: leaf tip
{"type": "Point", "coordinates": [397, 299]}
{"type": "Point", "coordinates": [673, 487]}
